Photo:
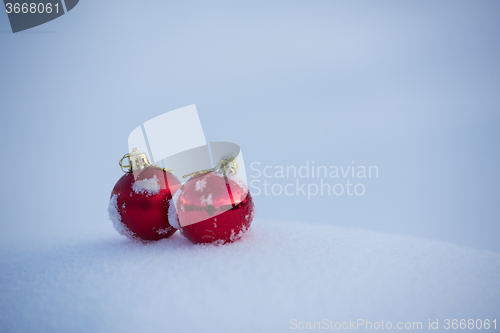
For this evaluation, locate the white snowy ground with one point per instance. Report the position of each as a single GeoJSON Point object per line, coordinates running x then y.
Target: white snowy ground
{"type": "Point", "coordinates": [276, 273]}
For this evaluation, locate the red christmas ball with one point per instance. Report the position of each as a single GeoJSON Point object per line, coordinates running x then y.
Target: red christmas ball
{"type": "Point", "coordinates": [213, 208]}
{"type": "Point", "coordinates": [139, 205]}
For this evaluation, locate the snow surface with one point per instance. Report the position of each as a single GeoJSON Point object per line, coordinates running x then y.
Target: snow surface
{"type": "Point", "coordinates": [277, 272]}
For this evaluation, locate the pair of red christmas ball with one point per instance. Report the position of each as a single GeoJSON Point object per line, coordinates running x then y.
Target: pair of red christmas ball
{"type": "Point", "coordinates": [151, 204]}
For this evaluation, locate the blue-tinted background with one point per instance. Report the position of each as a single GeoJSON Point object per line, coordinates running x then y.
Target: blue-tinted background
{"type": "Point", "coordinates": [412, 87]}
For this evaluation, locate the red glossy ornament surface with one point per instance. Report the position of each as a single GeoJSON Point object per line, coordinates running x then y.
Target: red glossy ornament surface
{"type": "Point", "coordinates": [212, 208]}
{"type": "Point", "coordinates": [142, 204]}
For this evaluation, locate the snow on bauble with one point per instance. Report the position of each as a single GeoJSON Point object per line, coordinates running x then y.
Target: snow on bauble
{"type": "Point", "coordinates": [139, 205]}
{"type": "Point", "coordinates": [212, 208]}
